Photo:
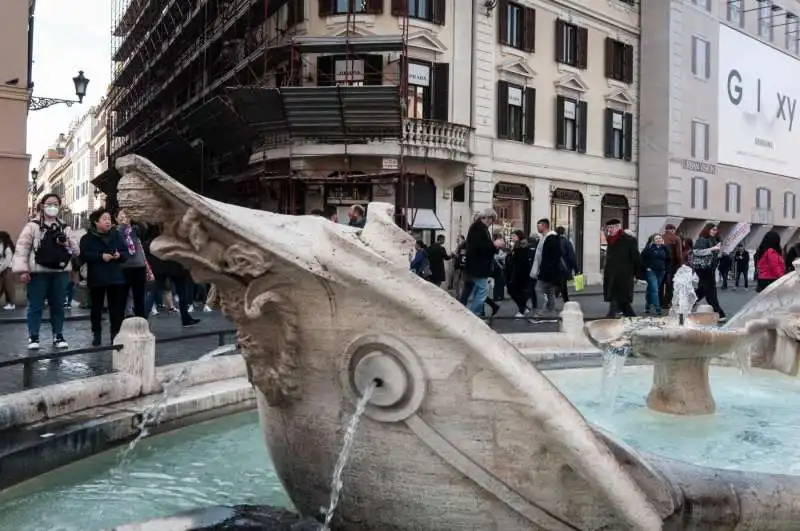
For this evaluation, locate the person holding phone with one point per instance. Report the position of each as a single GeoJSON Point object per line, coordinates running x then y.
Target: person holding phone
{"type": "Point", "coordinates": [705, 258]}
{"type": "Point", "coordinates": [103, 250]}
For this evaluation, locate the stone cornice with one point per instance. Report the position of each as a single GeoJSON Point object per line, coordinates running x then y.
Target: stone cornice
{"type": "Point", "coordinates": [8, 92]}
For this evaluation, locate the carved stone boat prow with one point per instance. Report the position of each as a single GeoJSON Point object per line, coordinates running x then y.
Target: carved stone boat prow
{"type": "Point", "coordinates": [463, 433]}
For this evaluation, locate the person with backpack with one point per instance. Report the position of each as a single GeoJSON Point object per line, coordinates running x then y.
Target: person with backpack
{"type": "Point", "coordinates": [42, 259]}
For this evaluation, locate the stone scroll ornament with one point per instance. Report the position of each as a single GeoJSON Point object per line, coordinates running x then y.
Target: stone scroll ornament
{"type": "Point", "coordinates": [252, 292]}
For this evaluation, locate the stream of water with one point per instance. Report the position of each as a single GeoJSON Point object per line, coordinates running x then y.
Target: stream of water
{"type": "Point", "coordinates": [341, 461]}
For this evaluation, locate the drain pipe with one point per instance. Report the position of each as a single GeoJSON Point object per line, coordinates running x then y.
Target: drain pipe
{"type": "Point", "coordinates": [31, 9]}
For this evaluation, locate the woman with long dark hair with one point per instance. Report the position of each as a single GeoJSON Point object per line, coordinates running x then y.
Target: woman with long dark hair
{"type": "Point", "coordinates": [705, 256]}
{"type": "Point", "coordinates": [6, 255]}
{"type": "Point", "coordinates": [769, 261]}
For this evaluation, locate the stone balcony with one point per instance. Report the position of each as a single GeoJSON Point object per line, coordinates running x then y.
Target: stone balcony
{"type": "Point", "coordinates": [432, 139]}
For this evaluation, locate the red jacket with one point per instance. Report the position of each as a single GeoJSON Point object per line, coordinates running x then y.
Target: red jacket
{"type": "Point", "coordinates": [770, 266]}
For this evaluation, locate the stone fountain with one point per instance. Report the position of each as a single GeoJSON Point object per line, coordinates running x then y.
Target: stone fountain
{"type": "Point", "coordinates": [464, 434]}
{"type": "Point", "coordinates": [680, 354]}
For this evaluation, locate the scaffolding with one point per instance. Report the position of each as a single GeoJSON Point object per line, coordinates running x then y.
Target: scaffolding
{"type": "Point", "coordinates": [184, 70]}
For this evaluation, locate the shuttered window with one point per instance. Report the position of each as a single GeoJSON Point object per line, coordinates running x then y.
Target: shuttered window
{"type": "Point", "coordinates": [572, 43]}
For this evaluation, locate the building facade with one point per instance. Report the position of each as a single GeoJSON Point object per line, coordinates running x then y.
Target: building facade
{"type": "Point", "coordinates": [718, 138]}
{"type": "Point", "coordinates": [529, 107]}
{"type": "Point", "coordinates": [14, 83]}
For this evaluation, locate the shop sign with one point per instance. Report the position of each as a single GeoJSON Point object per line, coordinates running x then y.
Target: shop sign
{"type": "Point", "coordinates": [511, 191]}
{"type": "Point", "coordinates": [698, 166]}
{"type": "Point", "coordinates": [349, 70]}
{"type": "Point", "coordinates": [419, 75]}
{"type": "Point", "coordinates": [390, 164]}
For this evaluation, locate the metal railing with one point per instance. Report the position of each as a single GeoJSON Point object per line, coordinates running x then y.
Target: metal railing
{"type": "Point", "coordinates": [28, 362]}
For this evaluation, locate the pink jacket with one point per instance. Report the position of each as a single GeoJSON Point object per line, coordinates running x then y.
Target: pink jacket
{"type": "Point", "coordinates": [770, 266]}
{"type": "Point", "coordinates": [27, 244]}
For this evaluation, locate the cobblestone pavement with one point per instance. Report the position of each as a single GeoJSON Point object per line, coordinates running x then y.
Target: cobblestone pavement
{"type": "Point", "coordinates": [13, 337]}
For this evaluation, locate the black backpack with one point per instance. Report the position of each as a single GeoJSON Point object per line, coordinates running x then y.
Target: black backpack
{"type": "Point", "coordinates": [50, 253]}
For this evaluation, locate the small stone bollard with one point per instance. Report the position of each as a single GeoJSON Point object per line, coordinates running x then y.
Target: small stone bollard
{"type": "Point", "coordinates": [571, 319]}
{"type": "Point", "coordinates": [138, 354]}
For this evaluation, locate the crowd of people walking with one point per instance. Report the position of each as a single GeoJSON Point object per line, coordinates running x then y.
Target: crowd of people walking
{"type": "Point", "coordinates": [112, 260]}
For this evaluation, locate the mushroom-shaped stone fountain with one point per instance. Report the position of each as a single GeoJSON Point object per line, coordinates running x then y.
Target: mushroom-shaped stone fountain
{"type": "Point", "coordinates": [680, 355]}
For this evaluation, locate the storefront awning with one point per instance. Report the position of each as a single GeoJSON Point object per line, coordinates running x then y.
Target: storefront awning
{"type": "Point", "coordinates": [422, 219]}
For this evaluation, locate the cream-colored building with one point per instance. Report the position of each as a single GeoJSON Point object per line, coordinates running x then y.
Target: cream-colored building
{"type": "Point", "coordinates": [527, 106]}
{"type": "Point", "coordinates": [14, 78]}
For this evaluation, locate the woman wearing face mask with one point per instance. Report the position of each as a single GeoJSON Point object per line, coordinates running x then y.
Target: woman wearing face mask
{"type": "Point", "coordinates": [103, 250]}
{"type": "Point", "coordinates": [134, 269]}
{"type": "Point", "coordinates": [42, 260]}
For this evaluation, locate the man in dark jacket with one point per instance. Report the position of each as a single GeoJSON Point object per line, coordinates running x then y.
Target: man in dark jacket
{"type": "Point", "coordinates": [437, 254]}
{"type": "Point", "coordinates": [548, 266]}
{"type": "Point", "coordinates": [622, 263]}
{"type": "Point", "coordinates": [741, 263]}
{"type": "Point", "coordinates": [480, 257]}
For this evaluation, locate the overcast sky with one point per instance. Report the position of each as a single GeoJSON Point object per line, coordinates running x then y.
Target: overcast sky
{"type": "Point", "coordinates": [69, 35]}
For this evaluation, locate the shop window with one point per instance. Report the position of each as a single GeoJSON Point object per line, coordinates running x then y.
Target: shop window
{"type": "Point", "coordinates": [700, 193]}
{"type": "Point", "coordinates": [789, 205]}
{"type": "Point", "coordinates": [571, 122]}
{"type": "Point", "coordinates": [566, 210]}
{"type": "Point", "coordinates": [619, 61]}
{"type": "Point", "coordinates": [572, 42]}
{"type": "Point", "coordinates": [619, 134]}
{"type": "Point", "coordinates": [516, 26]}
{"type": "Point", "coordinates": [428, 95]}
{"type": "Point", "coordinates": [733, 198]}
{"type": "Point", "coordinates": [516, 112]}
{"type": "Point", "coordinates": [512, 202]}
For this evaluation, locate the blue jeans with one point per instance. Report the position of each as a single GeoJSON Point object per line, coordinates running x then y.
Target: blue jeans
{"type": "Point", "coordinates": [50, 286]}
{"type": "Point", "coordinates": [479, 292]}
{"type": "Point", "coordinates": [651, 298]}
{"type": "Point", "coordinates": [70, 293]}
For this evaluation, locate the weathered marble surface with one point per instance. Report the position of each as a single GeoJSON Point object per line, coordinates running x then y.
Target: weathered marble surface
{"type": "Point", "coordinates": [470, 435]}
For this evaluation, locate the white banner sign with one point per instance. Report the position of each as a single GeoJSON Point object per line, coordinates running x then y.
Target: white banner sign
{"type": "Point", "coordinates": [349, 70]}
{"type": "Point", "coordinates": [569, 110]}
{"type": "Point", "coordinates": [757, 96]}
{"type": "Point", "coordinates": [515, 96]}
{"type": "Point", "coordinates": [739, 232]}
{"type": "Point", "coordinates": [419, 75]}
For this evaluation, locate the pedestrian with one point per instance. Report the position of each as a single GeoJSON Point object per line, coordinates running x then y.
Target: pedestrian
{"type": "Point", "coordinates": [674, 247]}
{"type": "Point", "coordinates": [459, 266]}
{"type": "Point", "coordinates": [135, 269]}
{"type": "Point", "coordinates": [570, 262]}
{"type": "Point", "coordinates": [623, 262]}
{"type": "Point", "coordinates": [548, 266]}
{"type": "Point", "coordinates": [356, 217]}
{"type": "Point", "coordinates": [42, 259]}
{"type": "Point", "coordinates": [792, 253]}
{"type": "Point", "coordinates": [724, 268]}
{"type": "Point", "coordinates": [518, 267]}
{"type": "Point", "coordinates": [741, 265]}
{"type": "Point", "coordinates": [420, 263]}
{"type": "Point", "coordinates": [103, 250]}
{"type": "Point", "coordinates": [769, 261]}
{"type": "Point", "coordinates": [437, 255]}
{"type": "Point", "coordinates": [480, 259]}
{"type": "Point", "coordinates": [175, 273]}
{"type": "Point", "coordinates": [499, 271]}
{"type": "Point", "coordinates": [655, 260]}
{"type": "Point", "coordinates": [705, 256]}
{"type": "Point", "coordinates": [6, 277]}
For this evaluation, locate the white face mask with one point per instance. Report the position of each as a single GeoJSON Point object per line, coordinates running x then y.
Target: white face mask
{"type": "Point", "coordinates": [51, 211]}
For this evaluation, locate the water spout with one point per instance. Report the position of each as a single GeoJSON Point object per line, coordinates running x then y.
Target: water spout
{"type": "Point", "coordinates": [341, 461]}
{"type": "Point", "coordinates": [685, 296]}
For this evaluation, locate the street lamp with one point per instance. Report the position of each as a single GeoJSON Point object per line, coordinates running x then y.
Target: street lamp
{"type": "Point", "coordinates": [34, 176]}
{"type": "Point", "coordinates": [81, 83]}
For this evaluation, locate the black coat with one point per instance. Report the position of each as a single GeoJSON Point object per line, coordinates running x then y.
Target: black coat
{"type": "Point", "coordinates": [480, 251]}
{"type": "Point", "coordinates": [570, 260]}
{"type": "Point", "coordinates": [656, 257]}
{"type": "Point", "coordinates": [518, 266]}
{"type": "Point", "coordinates": [623, 262]}
{"type": "Point", "coordinates": [552, 268]}
{"type": "Point", "coordinates": [436, 257]}
{"type": "Point", "coordinates": [93, 247]}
